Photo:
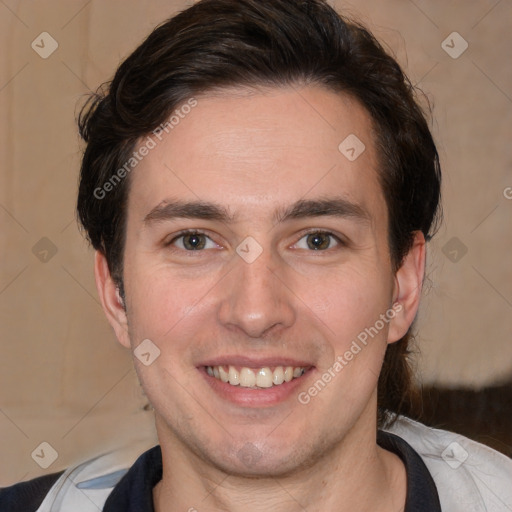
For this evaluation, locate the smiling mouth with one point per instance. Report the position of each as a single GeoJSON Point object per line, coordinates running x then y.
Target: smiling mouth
{"type": "Point", "coordinates": [255, 378]}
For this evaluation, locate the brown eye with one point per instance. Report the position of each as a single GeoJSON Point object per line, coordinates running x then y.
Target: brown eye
{"type": "Point", "coordinates": [194, 242]}
{"type": "Point", "coordinates": [318, 241]}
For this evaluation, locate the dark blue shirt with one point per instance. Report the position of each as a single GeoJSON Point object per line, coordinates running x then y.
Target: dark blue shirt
{"type": "Point", "coordinates": [134, 492]}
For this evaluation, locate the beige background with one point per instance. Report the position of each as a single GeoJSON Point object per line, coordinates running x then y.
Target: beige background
{"type": "Point", "coordinates": [63, 377]}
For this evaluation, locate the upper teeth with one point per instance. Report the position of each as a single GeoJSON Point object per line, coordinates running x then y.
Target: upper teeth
{"type": "Point", "coordinates": [262, 377]}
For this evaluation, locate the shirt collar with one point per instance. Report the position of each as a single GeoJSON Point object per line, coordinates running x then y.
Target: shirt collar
{"type": "Point", "coordinates": [134, 492]}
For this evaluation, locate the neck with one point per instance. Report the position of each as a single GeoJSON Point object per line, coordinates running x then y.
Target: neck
{"type": "Point", "coordinates": [354, 475]}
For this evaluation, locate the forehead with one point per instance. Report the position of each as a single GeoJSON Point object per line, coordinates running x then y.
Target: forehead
{"type": "Point", "coordinates": [259, 150]}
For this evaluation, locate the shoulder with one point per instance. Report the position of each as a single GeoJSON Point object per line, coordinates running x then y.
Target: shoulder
{"type": "Point", "coordinates": [469, 476]}
{"type": "Point", "coordinates": [84, 486]}
{"type": "Point", "coordinates": [27, 496]}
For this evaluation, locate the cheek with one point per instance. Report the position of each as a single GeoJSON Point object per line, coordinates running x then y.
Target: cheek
{"type": "Point", "coordinates": [350, 304]}
{"type": "Point", "coordinates": [166, 310]}
{"type": "Point", "coordinates": [347, 299]}
{"type": "Point", "coordinates": [163, 303]}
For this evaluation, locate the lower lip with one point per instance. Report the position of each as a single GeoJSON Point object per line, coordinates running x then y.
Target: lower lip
{"type": "Point", "coordinates": [249, 397]}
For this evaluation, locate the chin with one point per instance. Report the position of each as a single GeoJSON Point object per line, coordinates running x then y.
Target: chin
{"type": "Point", "coordinates": [266, 467]}
{"type": "Point", "coordinates": [260, 459]}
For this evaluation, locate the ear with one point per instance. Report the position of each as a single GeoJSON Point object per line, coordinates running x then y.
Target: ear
{"type": "Point", "coordinates": [407, 290]}
{"type": "Point", "coordinates": [110, 299]}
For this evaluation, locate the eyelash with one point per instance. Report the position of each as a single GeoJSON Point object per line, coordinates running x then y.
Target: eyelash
{"type": "Point", "coordinates": [337, 239]}
{"type": "Point", "coordinates": [181, 234]}
{"type": "Point", "coordinates": [184, 233]}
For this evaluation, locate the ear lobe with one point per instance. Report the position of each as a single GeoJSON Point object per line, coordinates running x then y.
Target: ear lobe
{"type": "Point", "coordinates": [111, 300]}
{"type": "Point", "coordinates": [408, 286]}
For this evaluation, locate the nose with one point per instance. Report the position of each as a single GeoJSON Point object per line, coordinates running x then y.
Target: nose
{"type": "Point", "coordinates": [255, 298]}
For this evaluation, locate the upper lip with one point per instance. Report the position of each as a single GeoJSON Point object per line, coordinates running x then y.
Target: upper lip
{"type": "Point", "coordinates": [255, 362]}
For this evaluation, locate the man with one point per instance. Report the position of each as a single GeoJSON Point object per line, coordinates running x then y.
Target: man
{"type": "Point", "coordinates": [259, 184]}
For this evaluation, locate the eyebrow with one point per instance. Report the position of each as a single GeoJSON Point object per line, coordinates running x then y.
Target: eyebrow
{"type": "Point", "coordinates": [168, 210]}
{"type": "Point", "coordinates": [329, 207]}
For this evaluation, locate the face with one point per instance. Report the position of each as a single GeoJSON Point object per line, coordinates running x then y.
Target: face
{"type": "Point", "coordinates": [256, 252]}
